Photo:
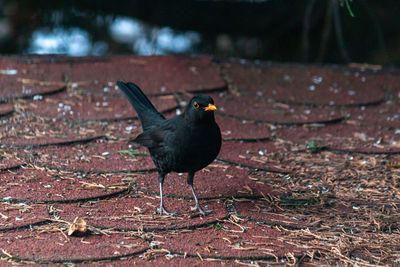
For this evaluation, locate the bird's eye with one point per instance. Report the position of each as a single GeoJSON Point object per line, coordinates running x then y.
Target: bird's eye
{"type": "Point", "coordinates": [196, 105]}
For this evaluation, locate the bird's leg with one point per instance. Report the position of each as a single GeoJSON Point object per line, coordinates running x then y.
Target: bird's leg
{"type": "Point", "coordinates": [190, 182]}
{"type": "Point", "coordinates": [162, 210]}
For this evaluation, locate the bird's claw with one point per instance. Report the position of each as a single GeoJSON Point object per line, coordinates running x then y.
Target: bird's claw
{"type": "Point", "coordinates": [162, 211]}
{"type": "Point", "coordinates": [202, 212]}
{"type": "Point", "coordinates": [193, 208]}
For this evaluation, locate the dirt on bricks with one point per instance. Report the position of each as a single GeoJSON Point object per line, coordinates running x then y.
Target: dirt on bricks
{"type": "Point", "coordinates": [308, 173]}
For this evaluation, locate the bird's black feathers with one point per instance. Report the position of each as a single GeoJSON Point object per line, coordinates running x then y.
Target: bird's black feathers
{"type": "Point", "coordinates": [184, 143]}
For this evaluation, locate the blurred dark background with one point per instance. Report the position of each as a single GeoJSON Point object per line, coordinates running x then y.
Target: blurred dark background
{"type": "Point", "coordinates": [291, 30]}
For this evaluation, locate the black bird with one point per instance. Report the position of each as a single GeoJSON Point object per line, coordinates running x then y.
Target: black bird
{"type": "Point", "coordinates": [184, 143]}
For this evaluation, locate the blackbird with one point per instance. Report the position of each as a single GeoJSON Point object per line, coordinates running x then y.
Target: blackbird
{"type": "Point", "coordinates": [184, 143]}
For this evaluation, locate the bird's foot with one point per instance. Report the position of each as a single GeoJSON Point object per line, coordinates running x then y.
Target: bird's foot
{"type": "Point", "coordinates": [202, 212]}
{"type": "Point", "coordinates": [162, 211]}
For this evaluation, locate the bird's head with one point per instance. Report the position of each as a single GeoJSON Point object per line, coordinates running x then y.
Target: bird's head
{"type": "Point", "coordinates": [200, 107]}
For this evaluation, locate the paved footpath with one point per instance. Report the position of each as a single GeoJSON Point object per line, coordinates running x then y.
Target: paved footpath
{"type": "Point", "coordinates": [308, 173]}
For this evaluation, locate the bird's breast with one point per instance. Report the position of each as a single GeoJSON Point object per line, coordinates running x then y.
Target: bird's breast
{"type": "Point", "coordinates": [197, 147]}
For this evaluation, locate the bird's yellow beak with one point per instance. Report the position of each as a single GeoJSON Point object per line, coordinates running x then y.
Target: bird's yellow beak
{"type": "Point", "coordinates": [210, 107]}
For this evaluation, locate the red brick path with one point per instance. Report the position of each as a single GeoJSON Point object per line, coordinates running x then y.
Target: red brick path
{"type": "Point", "coordinates": [309, 171]}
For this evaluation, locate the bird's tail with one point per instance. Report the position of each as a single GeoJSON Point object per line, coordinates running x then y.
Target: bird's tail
{"type": "Point", "coordinates": [147, 113]}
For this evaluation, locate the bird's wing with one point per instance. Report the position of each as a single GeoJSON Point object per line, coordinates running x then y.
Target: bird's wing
{"type": "Point", "coordinates": [161, 143]}
{"type": "Point", "coordinates": [159, 136]}
{"type": "Point", "coordinates": [150, 139]}
{"type": "Point", "coordinates": [147, 113]}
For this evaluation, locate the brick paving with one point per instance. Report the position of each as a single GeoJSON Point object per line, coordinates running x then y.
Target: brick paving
{"type": "Point", "coordinates": [308, 173]}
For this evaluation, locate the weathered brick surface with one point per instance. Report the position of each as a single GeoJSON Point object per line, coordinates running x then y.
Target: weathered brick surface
{"type": "Point", "coordinates": [308, 171]}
